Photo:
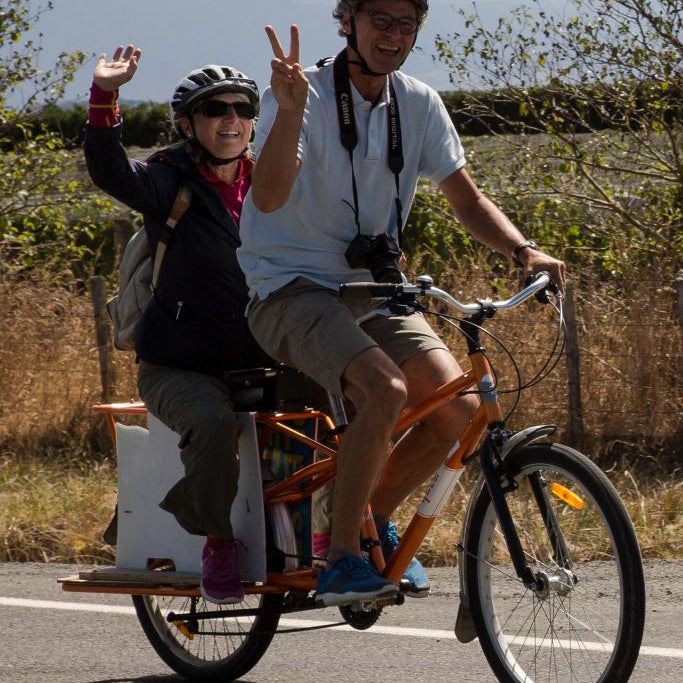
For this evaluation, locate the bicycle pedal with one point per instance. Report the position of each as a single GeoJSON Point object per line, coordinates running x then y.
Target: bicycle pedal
{"type": "Point", "coordinates": [363, 606]}
{"type": "Point", "coordinates": [397, 599]}
{"type": "Point", "coordinates": [374, 605]}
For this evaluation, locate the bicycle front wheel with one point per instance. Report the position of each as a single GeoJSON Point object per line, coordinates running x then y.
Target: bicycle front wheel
{"type": "Point", "coordinates": [222, 648]}
{"type": "Point", "coordinates": [584, 621]}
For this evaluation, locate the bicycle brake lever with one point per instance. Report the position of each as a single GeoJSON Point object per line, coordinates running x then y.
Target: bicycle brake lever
{"type": "Point", "coordinates": [542, 295]}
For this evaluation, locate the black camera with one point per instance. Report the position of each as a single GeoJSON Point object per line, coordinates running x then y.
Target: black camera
{"type": "Point", "coordinates": [380, 254]}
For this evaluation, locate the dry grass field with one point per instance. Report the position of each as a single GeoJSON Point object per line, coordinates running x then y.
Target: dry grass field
{"type": "Point", "coordinates": [57, 468]}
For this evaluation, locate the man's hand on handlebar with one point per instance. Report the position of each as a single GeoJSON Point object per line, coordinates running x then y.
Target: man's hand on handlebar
{"type": "Point", "coordinates": [536, 261]}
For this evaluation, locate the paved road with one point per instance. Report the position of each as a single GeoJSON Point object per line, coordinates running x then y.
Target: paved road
{"type": "Point", "coordinates": [48, 636]}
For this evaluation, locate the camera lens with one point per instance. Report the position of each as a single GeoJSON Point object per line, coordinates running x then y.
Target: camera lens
{"type": "Point", "coordinates": [379, 253]}
{"type": "Point", "coordinates": [383, 261]}
{"type": "Point", "coordinates": [387, 272]}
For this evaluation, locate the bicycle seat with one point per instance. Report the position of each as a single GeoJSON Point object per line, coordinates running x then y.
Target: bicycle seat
{"type": "Point", "coordinates": [273, 389]}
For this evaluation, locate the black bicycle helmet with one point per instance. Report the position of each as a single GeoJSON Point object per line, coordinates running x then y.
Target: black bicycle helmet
{"type": "Point", "coordinates": [210, 79]}
{"type": "Point", "coordinates": [344, 7]}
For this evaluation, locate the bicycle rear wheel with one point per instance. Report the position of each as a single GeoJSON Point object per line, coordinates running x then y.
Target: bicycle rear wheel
{"type": "Point", "coordinates": [584, 623]}
{"type": "Point", "coordinates": [209, 654]}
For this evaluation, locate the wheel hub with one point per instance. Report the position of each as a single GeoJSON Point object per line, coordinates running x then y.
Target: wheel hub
{"type": "Point", "coordinates": [560, 583]}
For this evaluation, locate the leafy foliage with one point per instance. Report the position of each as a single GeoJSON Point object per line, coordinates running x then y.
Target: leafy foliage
{"type": "Point", "coordinates": [147, 124]}
{"type": "Point", "coordinates": [599, 90]}
{"type": "Point", "coordinates": [19, 70]}
{"type": "Point", "coordinates": [501, 111]}
{"type": "Point", "coordinates": [48, 214]}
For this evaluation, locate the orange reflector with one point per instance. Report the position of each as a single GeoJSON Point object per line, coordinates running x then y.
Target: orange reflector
{"type": "Point", "coordinates": [184, 630]}
{"type": "Point", "coordinates": [566, 495]}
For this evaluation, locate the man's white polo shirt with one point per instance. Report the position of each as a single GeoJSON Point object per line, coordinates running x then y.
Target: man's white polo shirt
{"type": "Point", "coordinates": [310, 233]}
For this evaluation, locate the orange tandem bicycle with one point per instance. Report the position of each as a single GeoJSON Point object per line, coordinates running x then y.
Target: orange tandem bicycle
{"type": "Point", "coordinates": [550, 572]}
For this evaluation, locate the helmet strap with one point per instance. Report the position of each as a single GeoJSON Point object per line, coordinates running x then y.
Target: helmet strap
{"type": "Point", "coordinates": [204, 156]}
{"type": "Point", "coordinates": [215, 161]}
{"type": "Point", "coordinates": [353, 44]}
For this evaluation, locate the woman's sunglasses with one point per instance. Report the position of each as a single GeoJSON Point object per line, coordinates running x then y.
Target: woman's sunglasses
{"type": "Point", "coordinates": [214, 109]}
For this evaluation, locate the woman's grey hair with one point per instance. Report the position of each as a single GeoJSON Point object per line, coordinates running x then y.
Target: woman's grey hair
{"type": "Point", "coordinates": [345, 8]}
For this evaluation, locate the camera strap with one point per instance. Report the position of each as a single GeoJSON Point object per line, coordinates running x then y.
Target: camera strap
{"type": "Point", "coordinates": [349, 134]}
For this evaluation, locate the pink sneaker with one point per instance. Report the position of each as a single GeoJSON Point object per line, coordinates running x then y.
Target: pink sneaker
{"type": "Point", "coordinates": [221, 574]}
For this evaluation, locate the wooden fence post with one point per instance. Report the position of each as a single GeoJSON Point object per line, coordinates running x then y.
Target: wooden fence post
{"type": "Point", "coordinates": [104, 345]}
{"type": "Point", "coordinates": [575, 434]}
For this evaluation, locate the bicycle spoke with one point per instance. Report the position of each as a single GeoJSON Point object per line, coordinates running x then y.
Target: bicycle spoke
{"type": "Point", "coordinates": [587, 627]}
{"type": "Point", "coordinates": [570, 627]}
{"type": "Point", "coordinates": [512, 611]}
{"type": "Point", "coordinates": [207, 647]}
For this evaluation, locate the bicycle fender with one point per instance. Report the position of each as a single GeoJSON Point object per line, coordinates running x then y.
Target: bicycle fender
{"type": "Point", "coordinates": [524, 437]}
{"type": "Point", "coordinates": [464, 626]}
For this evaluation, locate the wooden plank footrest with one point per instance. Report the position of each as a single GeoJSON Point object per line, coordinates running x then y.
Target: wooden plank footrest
{"type": "Point", "coordinates": [134, 577]}
{"type": "Point", "coordinates": [132, 582]}
{"type": "Point", "coordinates": [159, 578]}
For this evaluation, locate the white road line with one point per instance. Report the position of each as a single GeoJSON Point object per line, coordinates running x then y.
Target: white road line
{"type": "Point", "coordinates": [670, 652]}
{"type": "Point", "coordinates": [69, 606]}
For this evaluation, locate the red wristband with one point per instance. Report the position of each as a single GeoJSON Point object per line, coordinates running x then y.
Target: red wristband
{"type": "Point", "coordinates": [103, 108]}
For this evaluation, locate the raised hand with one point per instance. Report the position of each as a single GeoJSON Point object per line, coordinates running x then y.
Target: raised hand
{"type": "Point", "coordinates": [124, 63]}
{"type": "Point", "coordinates": [287, 82]}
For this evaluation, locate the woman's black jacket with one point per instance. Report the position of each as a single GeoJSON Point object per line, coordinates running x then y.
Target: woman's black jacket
{"type": "Point", "coordinates": [196, 319]}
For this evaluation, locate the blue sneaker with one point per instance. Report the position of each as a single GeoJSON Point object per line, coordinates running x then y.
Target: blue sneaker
{"type": "Point", "coordinates": [349, 579]}
{"type": "Point", "coordinates": [414, 581]}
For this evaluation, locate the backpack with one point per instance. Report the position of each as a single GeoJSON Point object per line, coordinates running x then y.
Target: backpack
{"type": "Point", "coordinates": [138, 276]}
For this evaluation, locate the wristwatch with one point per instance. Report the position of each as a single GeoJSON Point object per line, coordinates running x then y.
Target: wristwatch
{"type": "Point", "coordinates": [528, 244]}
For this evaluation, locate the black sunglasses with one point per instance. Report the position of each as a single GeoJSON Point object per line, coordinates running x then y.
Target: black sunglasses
{"type": "Point", "coordinates": [214, 109]}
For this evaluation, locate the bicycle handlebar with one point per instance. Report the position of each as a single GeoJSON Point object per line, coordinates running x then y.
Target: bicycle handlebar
{"type": "Point", "coordinates": [424, 287]}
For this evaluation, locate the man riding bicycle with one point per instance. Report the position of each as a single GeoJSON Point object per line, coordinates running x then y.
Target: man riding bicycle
{"type": "Point", "coordinates": [326, 207]}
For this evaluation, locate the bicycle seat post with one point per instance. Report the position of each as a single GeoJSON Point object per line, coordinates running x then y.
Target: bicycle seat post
{"type": "Point", "coordinates": [338, 411]}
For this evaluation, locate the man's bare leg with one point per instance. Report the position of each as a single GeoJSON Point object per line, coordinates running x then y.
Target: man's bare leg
{"type": "Point", "coordinates": [423, 449]}
{"type": "Point", "coordinates": [378, 391]}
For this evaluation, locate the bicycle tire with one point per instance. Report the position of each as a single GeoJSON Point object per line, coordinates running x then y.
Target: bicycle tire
{"type": "Point", "coordinates": [209, 656]}
{"type": "Point", "coordinates": [212, 656]}
{"type": "Point", "coordinates": [567, 631]}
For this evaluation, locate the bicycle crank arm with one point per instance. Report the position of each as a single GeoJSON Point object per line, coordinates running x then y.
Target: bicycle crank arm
{"type": "Point", "coordinates": [234, 613]}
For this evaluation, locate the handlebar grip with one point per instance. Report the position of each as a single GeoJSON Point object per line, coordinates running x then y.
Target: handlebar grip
{"type": "Point", "coordinates": [370, 290]}
{"type": "Point", "coordinates": [542, 294]}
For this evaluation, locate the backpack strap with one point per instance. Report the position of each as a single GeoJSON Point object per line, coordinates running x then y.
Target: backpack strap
{"type": "Point", "coordinates": [180, 206]}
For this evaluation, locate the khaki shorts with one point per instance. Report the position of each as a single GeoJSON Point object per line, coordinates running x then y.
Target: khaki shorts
{"type": "Point", "coordinates": [311, 328]}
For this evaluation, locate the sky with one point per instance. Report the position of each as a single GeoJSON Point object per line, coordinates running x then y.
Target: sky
{"type": "Point", "coordinates": [177, 36]}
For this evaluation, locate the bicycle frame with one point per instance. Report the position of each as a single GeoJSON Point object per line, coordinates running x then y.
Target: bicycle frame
{"type": "Point", "coordinates": [303, 482]}
{"type": "Point", "coordinates": [512, 502]}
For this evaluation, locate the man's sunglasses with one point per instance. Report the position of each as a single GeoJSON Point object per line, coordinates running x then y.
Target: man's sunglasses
{"type": "Point", "coordinates": [384, 22]}
{"type": "Point", "coordinates": [214, 109]}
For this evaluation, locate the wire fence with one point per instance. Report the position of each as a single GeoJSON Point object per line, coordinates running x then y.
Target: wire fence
{"type": "Point", "coordinates": [56, 361]}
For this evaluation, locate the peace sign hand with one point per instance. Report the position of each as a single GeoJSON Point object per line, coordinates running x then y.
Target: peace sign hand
{"type": "Point", "coordinates": [287, 82]}
{"type": "Point", "coordinates": [124, 63]}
